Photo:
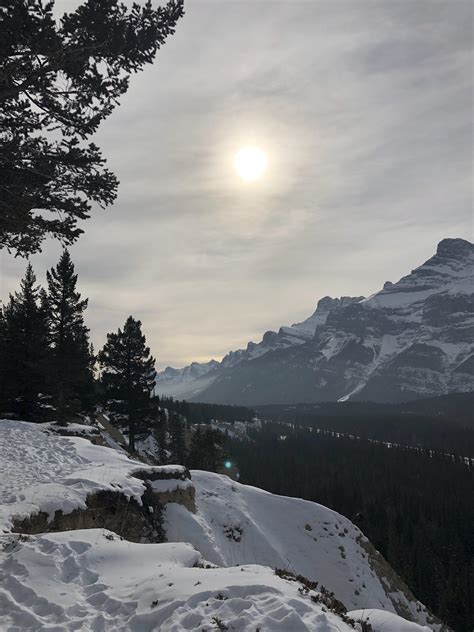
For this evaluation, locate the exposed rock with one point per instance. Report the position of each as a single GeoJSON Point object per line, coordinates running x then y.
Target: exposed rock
{"type": "Point", "coordinates": [105, 510]}
{"type": "Point", "coordinates": [393, 584]}
{"type": "Point", "coordinates": [412, 339]}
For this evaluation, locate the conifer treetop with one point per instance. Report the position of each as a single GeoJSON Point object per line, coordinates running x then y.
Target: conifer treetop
{"type": "Point", "coordinates": [59, 80]}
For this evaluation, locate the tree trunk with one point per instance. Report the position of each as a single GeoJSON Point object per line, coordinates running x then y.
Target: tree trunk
{"type": "Point", "coordinates": [131, 434]}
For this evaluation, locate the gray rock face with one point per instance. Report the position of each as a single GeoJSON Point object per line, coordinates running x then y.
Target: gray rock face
{"type": "Point", "coordinates": [414, 338]}
{"type": "Point", "coordinates": [191, 380]}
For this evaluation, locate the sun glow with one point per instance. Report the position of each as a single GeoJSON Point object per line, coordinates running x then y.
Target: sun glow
{"type": "Point", "coordinates": [250, 163]}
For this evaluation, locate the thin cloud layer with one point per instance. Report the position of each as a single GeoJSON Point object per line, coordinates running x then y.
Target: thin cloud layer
{"type": "Point", "coordinates": [365, 112]}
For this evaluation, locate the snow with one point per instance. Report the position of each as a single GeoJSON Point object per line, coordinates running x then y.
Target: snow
{"type": "Point", "coordinates": [391, 299]}
{"type": "Point", "coordinates": [219, 562]}
{"type": "Point", "coordinates": [453, 350]}
{"type": "Point", "coordinates": [332, 346]}
{"type": "Point", "coordinates": [41, 471]}
{"type": "Point", "coordinates": [398, 307]}
{"type": "Point", "coordinates": [390, 346]}
{"type": "Point", "coordinates": [437, 275]}
{"type": "Point", "coordinates": [238, 524]}
{"type": "Point", "coordinates": [386, 622]}
{"type": "Point", "coordinates": [72, 428]}
{"type": "Point", "coordinates": [355, 390]}
{"type": "Point", "coordinates": [462, 287]}
{"type": "Point", "coordinates": [170, 485]}
{"type": "Point", "coordinates": [191, 380]}
{"type": "Point", "coordinates": [91, 580]}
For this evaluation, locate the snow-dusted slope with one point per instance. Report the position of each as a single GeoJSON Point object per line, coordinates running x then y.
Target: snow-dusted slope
{"type": "Point", "coordinates": [414, 338]}
{"type": "Point", "coordinates": [188, 381]}
{"type": "Point", "coordinates": [192, 380]}
{"type": "Point", "coordinates": [239, 524]}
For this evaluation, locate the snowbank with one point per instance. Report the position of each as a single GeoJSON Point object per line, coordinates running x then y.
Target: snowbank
{"type": "Point", "coordinates": [239, 524]}
{"type": "Point", "coordinates": [382, 621]}
{"type": "Point", "coordinates": [91, 580]}
{"type": "Point", "coordinates": [94, 580]}
{"type": "Point", "coordinates": [43, 472]}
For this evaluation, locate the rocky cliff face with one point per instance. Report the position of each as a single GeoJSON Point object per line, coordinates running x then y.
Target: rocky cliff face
{"type": "Point", "coordinates": [412, 339]}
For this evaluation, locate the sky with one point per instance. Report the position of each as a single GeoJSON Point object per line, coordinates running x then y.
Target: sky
{"type": "Point", "coordinates": [364, 111]}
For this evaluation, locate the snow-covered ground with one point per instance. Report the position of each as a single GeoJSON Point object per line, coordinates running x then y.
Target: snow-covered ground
{"type": "Point", "coordinates": [90, 580]}
{"type": "Point", "coordinates": [41, 471]}
{"type": "Point", "coordinates": [239, 524]}
{"type": "Point", "coordinates": [386, 621]}
{"type": "Point", "coordinates": [216, 571]}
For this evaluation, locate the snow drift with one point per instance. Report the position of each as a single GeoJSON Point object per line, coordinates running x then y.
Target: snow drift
{"type": "Point", "coordinates": [217, 568]}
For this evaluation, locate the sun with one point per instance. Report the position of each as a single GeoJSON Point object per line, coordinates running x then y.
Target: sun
{"type": "Point", "coordinates": [250, 163]}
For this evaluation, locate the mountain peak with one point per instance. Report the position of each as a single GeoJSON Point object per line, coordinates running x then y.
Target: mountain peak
{"type": "Point", "coordinates": [412, 338]}
{"type": "Point", "coordinates": [327, 302]}
{"type": "Point", "coordinates": [454, 247]}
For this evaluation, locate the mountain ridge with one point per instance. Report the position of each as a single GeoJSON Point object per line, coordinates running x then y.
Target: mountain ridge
{"type": "Point", "coordinates": [411, 339]}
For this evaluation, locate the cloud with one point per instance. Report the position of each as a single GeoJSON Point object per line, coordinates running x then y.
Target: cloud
{"type": "Point", "coordinates": [365, 112]}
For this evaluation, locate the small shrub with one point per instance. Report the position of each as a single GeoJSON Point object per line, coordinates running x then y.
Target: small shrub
{"type": "Point", "coordinates": [218, 623]}
{"type": "Point", "coordinates": [233, 532]}
{"type": "Point", "coordinates": [323, 596]}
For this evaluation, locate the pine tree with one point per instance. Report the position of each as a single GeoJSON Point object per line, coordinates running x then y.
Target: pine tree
{"type": "Point", "coordinates": [128, 376]}
{"type": "Point", "coordinates": [3, 366]}
{"type": "Point", "coordinates": [195, 457]}
{"type": "Point", "coordinates": [206, 450]}
{"type": "Point", "coordinates": [69, 337]}
{"type": "Point", "coordinates": [160, 434]}
{"type": "Point", "coordinates": [65, 75]}
{"type": "Point", "coordinates": [177, 439]}
{"type": "Point", "coordinates": [25, 349]}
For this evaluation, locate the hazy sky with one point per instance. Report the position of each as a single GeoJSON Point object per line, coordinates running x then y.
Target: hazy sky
{"type": "Point", "coordinates": [365, 112]}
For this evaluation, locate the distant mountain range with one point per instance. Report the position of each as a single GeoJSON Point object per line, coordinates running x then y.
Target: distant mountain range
{"type": "Point", "coordinates": [412, 339]}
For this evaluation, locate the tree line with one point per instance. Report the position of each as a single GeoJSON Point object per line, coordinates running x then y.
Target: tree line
{"type": "Point", "coordinates": [416, 507]}
{"type": "Point", "coordinates": [204, 413]}
{"type": "Point", "coordinates": [50, 371]}
{"type": "Point", "coordinates": [46, 360]}
{"type": "Point", "coordinates": [438, 423]}
{"type": "Point", "coordinates": [48, 367]}
{"type": "Point", "coordinates": [196, 446]}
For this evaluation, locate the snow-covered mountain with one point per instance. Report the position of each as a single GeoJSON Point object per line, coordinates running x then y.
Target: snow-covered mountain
{"type": "Point", "coordinates": [413, 338]}
{"type": "Point", "coordinates": [63, 566]}
{"type": "Point", "coordinates": [191, 380]}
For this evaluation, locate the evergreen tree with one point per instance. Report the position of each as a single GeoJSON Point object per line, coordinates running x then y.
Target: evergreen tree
{"type": "Point", "coordinates": [195, 456]}
{"type": "Point", "coordinates": [128, 376]}
{"type": "Point", "coordinates": [64, 75]}
{"type": "Point", "coordinates": [177, 443]}
{"type": "Point", "coordinates": [160, 434]}
{"type": "Point", "coordinates": [25, 351]}
{"type": "Point", "coordinates": [206, 450]}
{"type": "Point", "coordinates": [386, 491]}
{"type": "Point", "coordinates": [3, 367]}
{"type": "Point", "coordinates": [72, 360]}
